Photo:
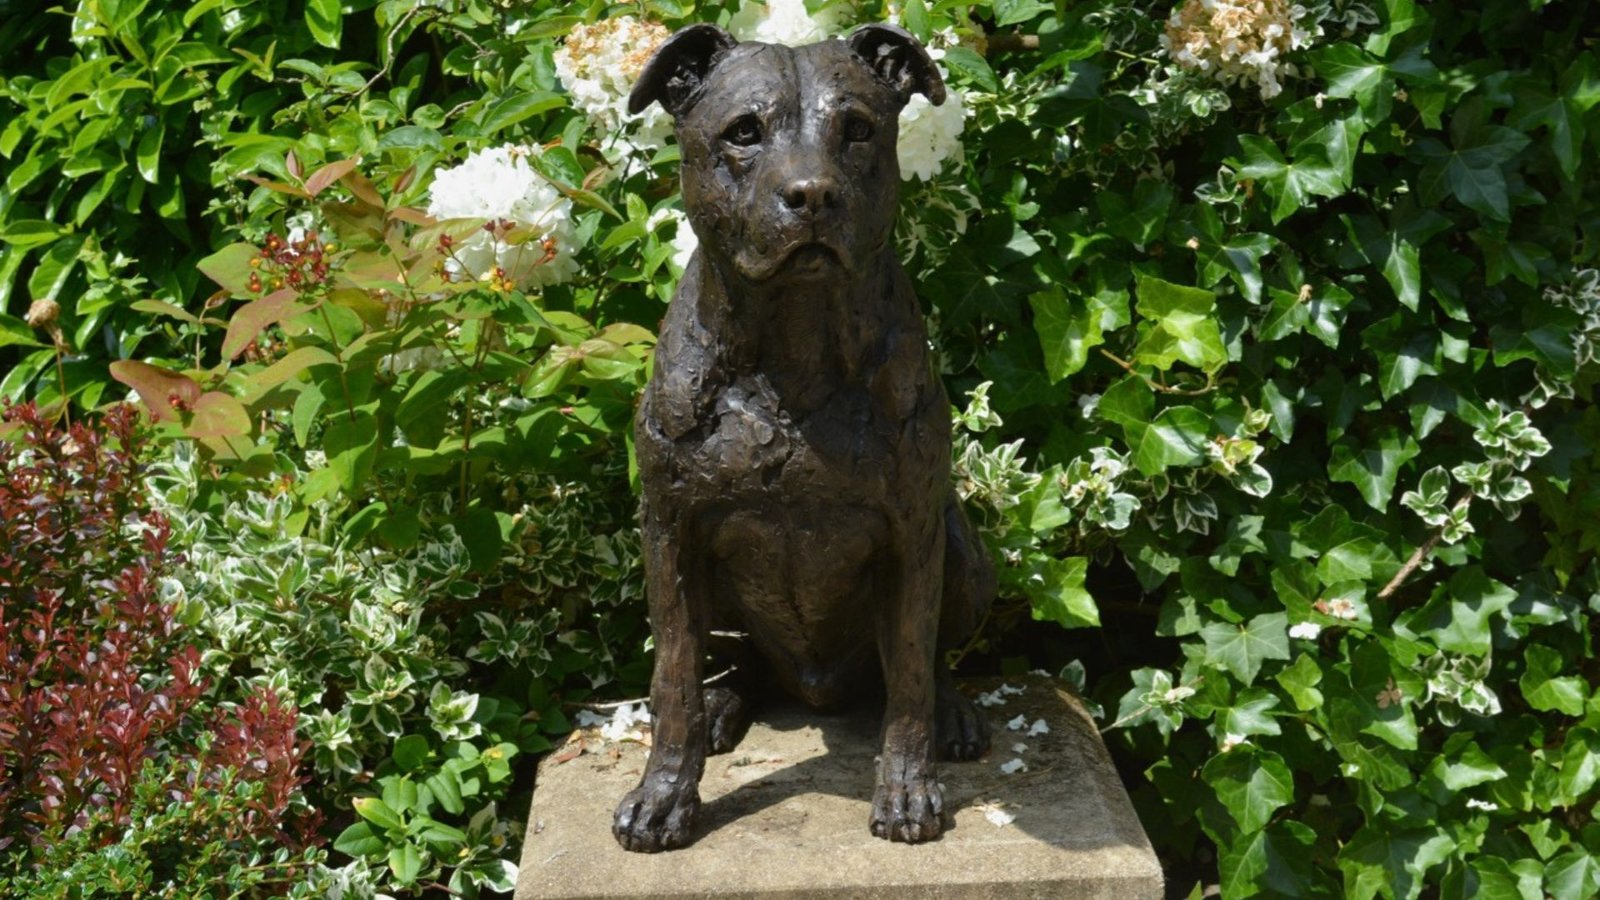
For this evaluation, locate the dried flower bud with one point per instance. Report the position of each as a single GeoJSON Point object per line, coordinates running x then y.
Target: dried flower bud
{"type": "Point", "coordinates": [43, 313]}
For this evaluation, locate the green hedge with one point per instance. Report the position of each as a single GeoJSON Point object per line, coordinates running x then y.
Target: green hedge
{"type": "Point", "coordinates": [1275, 326]}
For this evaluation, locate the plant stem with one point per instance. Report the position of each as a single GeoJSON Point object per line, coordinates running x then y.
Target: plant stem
{"type": "Point", "coordinates": [1421, 553]}
{"type": "Point", "coordinates": [1210, 386]}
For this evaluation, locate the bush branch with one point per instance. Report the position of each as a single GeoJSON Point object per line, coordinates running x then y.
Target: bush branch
{"type": "Point", "coordinates": [1421, 553]}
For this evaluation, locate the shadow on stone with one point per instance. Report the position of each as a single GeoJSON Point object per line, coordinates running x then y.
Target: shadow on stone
{"type": "Point", "coordinates": [785, 815]}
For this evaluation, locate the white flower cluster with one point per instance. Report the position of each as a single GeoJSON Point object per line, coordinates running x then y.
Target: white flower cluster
{"type": "Point", "coordinates": [785, 22]}
{"type": "Point", "coordinates": [598, 64]}
{"type": "Point", "coordinates": [930, 134]}
{"type": "Point", "coordinates": [528, 237]}
{"type": "Point", "coordinates": [1237, 41]}
{"type": "Point", "coordinates": [625, 724]}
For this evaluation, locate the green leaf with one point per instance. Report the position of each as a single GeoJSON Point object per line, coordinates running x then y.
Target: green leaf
{"type": "Point", "coordinates": [1141, 220]}
{"type": "Point", "coordinates": [1242, 648]}
{"type": "Point", "coordinates": [1182, 326]}
{"type": "Point", "coordinates": [1067, 331]}
{"type": "Point", "coordinates": [230, 267]}
{"type": "Point", "coordinates": [1574, 875]}
{"type": "Point", "coordinates": [1545, 689]}
{"type": "Point", "coordinates": [410, 752]}
{"type": "Point", "coordinates": [1291, 184]}
{"type": "Point", "coordinates": [1373, 469]}
{"type": "Point", "coordinates": [1457, 616]}
{"type": "Point", "coordinates": [1350, 72]}
{"type": "Point", "coordinates": [29, 232]}
{"type": "Point", "coordinates": [326, 21]}
{"type": "Point", "coordinates": [148, 156]}
{"type": "Point", "coordinates": [1252, 785]}
{"type": "Point", "coordinates": [1580, 766]}
{"type": "Point", "coordinates": [360, 840]}
{"type": "Point", "coordinates": [1250, 714]}
{"type": "Point", "coordinates": [405, 861]}
{"type": "Point", "coordinates": [446, 788]}
{"type": "Point", "coordinates": [377, 812]}
{"type": "Point", "coordinates": [15, 332]}
{"type": "Point", "coordinates": [967, 63]}
{"type": "Point", "coordinates": [510, 110]}
{"type": "Point", "coordinates": [1057, 593]}
{"type": "Point", "coordinates": [352, 448]}
{"type": "Point", "coordinates": [1300, 682]}
{"type": "Point", "coordinates": [1176, 437]}
{"type": "Point", "coordinates": [1384, 859]}
{"type": "Point", "coordinates": [1274, 862]}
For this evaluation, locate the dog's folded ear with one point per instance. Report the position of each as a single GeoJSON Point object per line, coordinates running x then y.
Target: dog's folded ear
{"type": "Point", "coordinates": [678, 68]}
{"type": "Point", "coordinates": [899, 61]}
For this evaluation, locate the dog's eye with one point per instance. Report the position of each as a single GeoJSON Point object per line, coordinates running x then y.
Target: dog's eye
{"type": "Point", "coordinates": [744, 132]}
{"type": "Point", "coordinates": [857, 130]}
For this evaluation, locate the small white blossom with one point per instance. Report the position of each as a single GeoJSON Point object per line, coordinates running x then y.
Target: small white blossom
{"type": "Point", "coordinates": [991, 698]}
{"type": "Point", "coordinates": [1019, 747]}
{"type": "Point", "coordinates": [1486, 806]}
{"type": "Point", "coordinates": [1087, 404]}
{"type": "Point", "coordinates": [998, 817]}
{"type": "Point", "coordinates": [1017, 723]}
{"type": "Point", "coordinates": [1237, 41]}
{"type": "Point", "coordinates": [1306, 631]}
{"type": "Point", "coordinates": [1037, 728]}
{"type": "Point", "coordinates": [1230, 741]}
{"type": "Point", "coordinates": [1013, 767]}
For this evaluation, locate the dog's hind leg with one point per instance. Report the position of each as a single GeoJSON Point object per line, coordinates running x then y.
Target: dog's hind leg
{"type": "Point", "coordinates": [969, 586]}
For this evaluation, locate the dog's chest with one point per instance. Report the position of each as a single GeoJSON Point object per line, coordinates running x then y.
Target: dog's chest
{"type": "Point", "coordinates": [765, 450]}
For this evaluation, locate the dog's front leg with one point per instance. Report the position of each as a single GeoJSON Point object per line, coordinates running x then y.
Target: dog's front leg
{"type": "Point", "coordinates": [907, 804]}
{"type": "Point", "coordinates": [659, 813]}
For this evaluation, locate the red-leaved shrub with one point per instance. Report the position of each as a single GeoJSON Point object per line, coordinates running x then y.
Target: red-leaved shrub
{"type": "Point", "coordinates": [96, 677]}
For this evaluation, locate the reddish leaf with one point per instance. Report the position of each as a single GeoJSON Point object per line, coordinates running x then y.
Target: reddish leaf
{"type": "Point", "coordinates": [278, 186]}
{"type": "Point", "coordinates": [292, 163]}
{"type": "Point", "coordinates": [363, 189]}
{"type": "Point", "coordinates": [163, 392]}
{"type": "Point", "coordinates": [251, 319]}
{"type": "Point", "coordinates": [218, 415]}
{"type": "Point", "coordinates": [328, 174]}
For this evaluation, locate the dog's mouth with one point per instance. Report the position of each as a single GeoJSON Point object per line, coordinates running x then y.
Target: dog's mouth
{"type": "Point", "coordinates": [806, 259]}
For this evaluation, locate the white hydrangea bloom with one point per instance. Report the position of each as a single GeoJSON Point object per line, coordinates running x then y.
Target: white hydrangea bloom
{"type": "Point", "coordinates": [528, 235]}
{"type": "Point", "coordinates": [1238, 40]}
{"type": "Point", "coordinates": [598, 64]}
{"type": "Point", "coordinates": [785, 22]}
{"type": "Point", "coordinates": [930, 135]}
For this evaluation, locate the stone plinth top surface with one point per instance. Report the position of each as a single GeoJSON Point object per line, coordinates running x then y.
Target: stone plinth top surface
{"type": "Point", "coordinates": [785, 815]}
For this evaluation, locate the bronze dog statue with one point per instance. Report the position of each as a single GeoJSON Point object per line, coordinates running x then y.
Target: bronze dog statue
{"type": "Point", "coordinates": [794, 440]}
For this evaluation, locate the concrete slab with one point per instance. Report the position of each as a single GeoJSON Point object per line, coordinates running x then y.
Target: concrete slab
{"type": "Point", "coordinates": [785, 816]}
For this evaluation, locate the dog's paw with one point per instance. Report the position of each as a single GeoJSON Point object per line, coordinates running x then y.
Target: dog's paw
{"type": "Point", "coordinates": [963, 730]}
{"type": "Point", "coordinates": [907, 806]}
{"type": "Point", "coordinates": [657, 815]}
{"type": "Point", "coordinates": [728, 711]}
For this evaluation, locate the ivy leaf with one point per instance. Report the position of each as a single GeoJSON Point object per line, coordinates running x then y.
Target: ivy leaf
{"type": "Point", "coordinates": [1547, 691]}
{"type": "Point", "coordinates": [1182, 326]}
{"type": "Point", "coordinates": [1176, 437]}
{"type": "Point", "coordinates": [1350, 72]}
{"type": "Point", "coordinates": [1580, 765]}
{"type": "Point", "coordinates": [1067, 331]}
{"type": "Point", "coordinates": [1252, 785]}
{"type": "Point", "coordinates": [1273, 862]}
{"type": "Point", "coordinates": [1373, 470]}
{"type": "Point", "coordinates": [1061, 596]}
{"type": "Point", "coordinates": [1456, 618]}
{"type": "Point", "coordinates": [1471, 169]}
{"type": "Point", "coordinates": [1141, 220]}
{"type": "Point", "coordinates": [1242, 648]}
{"type": "Point", "coordinates": [1250, 713]}
{"type": "Point", "coordinates": [1574, 875]}
{"type": "Point", "coordinates": [1384, 859]}
{"type": "Point", "coordinates": [1291, 184]}
{"type": "Point", "coordinates": [1563, 119]}
{"type": "Point", "coordinates": [1300, 682]}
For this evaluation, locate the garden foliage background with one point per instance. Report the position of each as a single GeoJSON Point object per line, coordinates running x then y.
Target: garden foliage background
{"type": "Point", "coordinates": [1274, 328]}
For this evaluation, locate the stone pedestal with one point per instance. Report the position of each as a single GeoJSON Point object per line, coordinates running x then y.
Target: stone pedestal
{"type": "Point", "coordinates": [785, 815]}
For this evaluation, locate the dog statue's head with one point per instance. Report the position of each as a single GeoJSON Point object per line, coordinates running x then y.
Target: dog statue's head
{"type": "Point", "coordinates": [789, 164]}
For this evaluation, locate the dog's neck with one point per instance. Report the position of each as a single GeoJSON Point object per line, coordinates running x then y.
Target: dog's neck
{"type": "Point", "coordinates": [807, 339]}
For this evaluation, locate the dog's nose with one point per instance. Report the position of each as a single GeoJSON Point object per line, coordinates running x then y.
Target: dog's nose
{"type": "Point", "coordinates": [811, 194]}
